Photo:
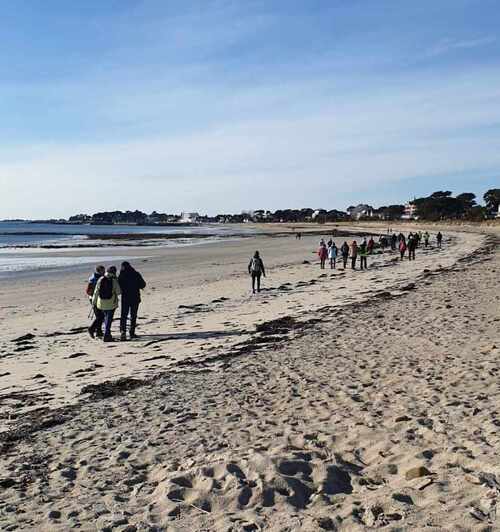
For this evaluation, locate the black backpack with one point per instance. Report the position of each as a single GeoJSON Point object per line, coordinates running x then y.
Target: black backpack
{"type": "Point", "coordinates": [106, 288]}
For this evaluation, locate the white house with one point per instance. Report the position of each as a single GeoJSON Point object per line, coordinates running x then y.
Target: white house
{"type": "Point", "coordinates": [189, 217]}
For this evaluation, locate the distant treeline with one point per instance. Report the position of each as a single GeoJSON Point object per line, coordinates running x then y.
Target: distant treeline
{"type": "Point", "coordinates": [438, 206]}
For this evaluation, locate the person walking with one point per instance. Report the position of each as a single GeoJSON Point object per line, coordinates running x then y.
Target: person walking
{"type": "Point", "coordinates": [256, 270]}
{"type": "Point", "coordinates": [131, 283]}
{"type": "Point", "coordinates": [412, 246]}
{"type": "Point", "coordinates": [95, 328]}
{"type": "Point", "coordinates": [439, 238]}
{"type": "Point", "coordinates": [332, 255]}
{"type": "Point", "coordinates": [394, 240]}
{"type": "Point", "coordinates": [363, 252]}
{"type": "Point", "coordinates": [371, 245]}
{"type": "Point", "coordinates": [402, 248]}
{"type": "Point", "coordinates": [354, 254]}
{"type": "Point", "coordinates": [323, 255]}
{"type": "Point", "coordinates": [426, 239]}
{"type": "Point", "coordinates": [344, 250]}
{"type": "Point", "coordinates": [105, 298]}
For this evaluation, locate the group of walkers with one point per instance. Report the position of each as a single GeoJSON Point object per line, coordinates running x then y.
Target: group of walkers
{"type": "Point", "coordinates": [329, 251]}
{"type": "Point", "coordinates": [104, 289]}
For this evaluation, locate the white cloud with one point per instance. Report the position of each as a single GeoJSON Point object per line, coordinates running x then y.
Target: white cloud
{"type": "Point", "coordinates": [315, 156]}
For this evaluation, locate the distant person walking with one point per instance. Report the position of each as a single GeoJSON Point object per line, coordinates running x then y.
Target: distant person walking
{"type": "Point", "coordinates": [363, 252]}
{"type": "Point", "coordinates": [105, 298]}
{"type": "Point", "coordinates": [344, 250]}
{"type": "Point", "coordinates": [371, 245]}
{"type": "Point", "coordinates": [426, 239]}
{"type": "Point", "coordinates": [412, 246]}
{"type": "Point", "coordinates": [332, 255]}
{"type": "Point", "coordinates": [394, 240]}
{"type": "Point", "coordinates": [95, 328]}
{"type": "Point", "coordinates": [256, 270]}
{"type": "Point", "coordinates": [439, 238]}
{"type": "Point", "coordinates": [402, 248]}
{"type": "Point", "coordinates": [354, 254]}
{"type": "Point", "coordinates": [323, 255]}
{"type": "Point", "coordinates": [131, 283]}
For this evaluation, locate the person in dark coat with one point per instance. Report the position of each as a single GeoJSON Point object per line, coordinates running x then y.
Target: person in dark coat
{"type": "Point", "coordinates": [131, 284]}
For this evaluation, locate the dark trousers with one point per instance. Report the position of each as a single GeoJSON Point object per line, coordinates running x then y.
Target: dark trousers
{"type": "Point", "coordinates": [353, 262]}
{"type": "Point", "coordinates": [108, 321]}
{"type": "Point", "coordinates": [256, 278]}
{"type": "Point", "coordinates": [411, 254]}
{"type": "Point", "coordinates": [364, 262]}
{"type": "Point", "coordinates": [96, 325]}
{"type": "Point", "coordinates": [344, 260]}
{"type": "Point", "coordinates": [129, 307]}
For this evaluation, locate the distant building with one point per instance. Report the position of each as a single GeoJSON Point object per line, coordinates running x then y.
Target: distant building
{"type": "Point", "coordinates": [189, 217]}
{"type": "Point", "coordinates": [410, 212]}
{"type": "Point", "coordinates": [360, 211]}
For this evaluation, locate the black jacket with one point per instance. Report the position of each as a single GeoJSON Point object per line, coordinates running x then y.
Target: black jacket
{"type": "Point", "coordinates": [131, 284]}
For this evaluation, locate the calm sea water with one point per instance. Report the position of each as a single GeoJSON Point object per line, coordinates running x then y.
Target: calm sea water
{"type": "Point", "coordinates": [14, 234]}
{"type": "Point", "coordinates": [27, 248]}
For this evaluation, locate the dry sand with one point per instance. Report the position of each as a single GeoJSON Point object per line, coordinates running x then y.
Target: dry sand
{"type": "Point", "coordinates": [317, 421]}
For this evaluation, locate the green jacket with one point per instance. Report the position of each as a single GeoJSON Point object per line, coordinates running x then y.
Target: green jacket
{"type": "Point", "coordinates": [106, 304]}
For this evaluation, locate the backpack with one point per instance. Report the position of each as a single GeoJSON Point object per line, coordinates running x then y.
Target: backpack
{"type": "Point", "coordinates": [256, 266]}
{"type": "Point", "coordinates": [90, 289]}
{"type": "Point", "coordinates": [106, 288]}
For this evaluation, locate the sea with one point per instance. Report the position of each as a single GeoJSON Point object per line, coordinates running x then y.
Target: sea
{"type": "Point", "coordinates": [27, 248]}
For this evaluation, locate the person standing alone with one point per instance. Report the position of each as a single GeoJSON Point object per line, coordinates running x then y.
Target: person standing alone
{"type": "Point", "coordinates": [256, 270]}
{"type": "Point", "coordinates": [131, 283]}
{"type": "Point", "coordinates": [105, 298]}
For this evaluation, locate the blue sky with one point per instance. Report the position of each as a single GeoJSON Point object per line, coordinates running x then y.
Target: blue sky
{"type": "Point", "coordinates": [221, 105]}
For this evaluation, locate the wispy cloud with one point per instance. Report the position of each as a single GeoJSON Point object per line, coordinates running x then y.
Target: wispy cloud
{"type": "Point", "coordinates": [447, 45]}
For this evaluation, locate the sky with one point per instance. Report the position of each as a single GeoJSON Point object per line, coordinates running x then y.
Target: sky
{"type": "Point", "coordinates": [222, 106]}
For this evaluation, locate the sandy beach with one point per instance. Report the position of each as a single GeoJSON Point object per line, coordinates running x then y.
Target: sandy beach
{"type": "Point", "coordinates": [332, 400]}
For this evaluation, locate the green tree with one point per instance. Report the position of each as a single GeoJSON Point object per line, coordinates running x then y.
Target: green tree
{"type": "Point", "coordinates": [492, 199]}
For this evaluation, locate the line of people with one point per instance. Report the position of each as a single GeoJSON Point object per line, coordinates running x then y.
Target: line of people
{"type": "Point", "coordinates": [104, 289]}
{"type": "Point", "coordinates": [329, 251]}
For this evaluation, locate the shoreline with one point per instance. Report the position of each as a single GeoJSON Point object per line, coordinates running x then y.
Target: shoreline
{"type": "Point", "coordinates": [298, 288]}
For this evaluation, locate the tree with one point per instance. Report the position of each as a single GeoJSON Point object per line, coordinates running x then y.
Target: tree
{"type": "Point", "coordinates": [492, 199]}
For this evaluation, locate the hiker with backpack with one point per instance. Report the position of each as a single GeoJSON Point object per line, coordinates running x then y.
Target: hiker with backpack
{"type": "Point", "coordinates": [105, 298]}
{"type": "Point", "coordinates": [131, 283]}
{"type": "Point", "coordinates": [95, 328]}
{"type": "Point", "coordinates": [256, 270]}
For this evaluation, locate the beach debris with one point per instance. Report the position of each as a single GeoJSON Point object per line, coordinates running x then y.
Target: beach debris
{"type": "Point", "coordinates": [417, 472]}
{"type": "Point", "coordinates": [111, 388]}
{"type": "Point", "coordinates": [24, 338]}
